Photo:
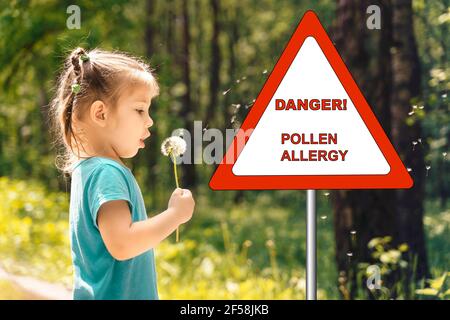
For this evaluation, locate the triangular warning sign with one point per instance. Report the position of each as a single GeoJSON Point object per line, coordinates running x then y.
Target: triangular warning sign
{"type": "Point", "coordinates": [310, 127]}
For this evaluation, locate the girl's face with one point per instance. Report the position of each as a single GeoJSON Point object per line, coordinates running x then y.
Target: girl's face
{"type": "Point", "coordinates": [130, 121]}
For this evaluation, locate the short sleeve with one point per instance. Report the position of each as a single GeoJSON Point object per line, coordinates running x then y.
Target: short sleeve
{"type": "Point", "coordinates": [107, 183]}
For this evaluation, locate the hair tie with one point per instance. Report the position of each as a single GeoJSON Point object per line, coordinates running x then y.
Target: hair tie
{"type": "Point", "coordinates": [84, 57]}
{"type": "Point", "coordinates": [76, 88]}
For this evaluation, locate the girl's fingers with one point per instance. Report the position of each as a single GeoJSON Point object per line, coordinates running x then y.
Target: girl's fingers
{"type": "Point", "coordinates": [178, 191]}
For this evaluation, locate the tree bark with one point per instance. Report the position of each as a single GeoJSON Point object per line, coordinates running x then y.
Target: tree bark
{"type": "Point", "coordinates": [188, 176]}
{"type": "Point", "coordinates": [151, 153]}
{"type": "Point", "coordinates": [215, 63]}
{"type": "Point", "coordinates": [366, 212]}
{"type": "Point", "coordinates": [406, 86]}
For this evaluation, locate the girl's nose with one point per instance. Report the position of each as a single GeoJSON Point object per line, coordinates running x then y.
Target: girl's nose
{"type": "Point", "coordinates": [149, 122]}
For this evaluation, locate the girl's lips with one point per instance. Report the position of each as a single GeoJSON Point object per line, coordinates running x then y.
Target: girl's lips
{"type": "Point", "coordinates": [142, 143]}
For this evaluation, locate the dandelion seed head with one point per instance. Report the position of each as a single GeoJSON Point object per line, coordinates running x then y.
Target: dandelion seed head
{"type": "Point", "coordinates": [270, 243]}
{"type": "Point", "coordinates": [247, 243]}
{"type": "Point", "coordinates": [174, 145]}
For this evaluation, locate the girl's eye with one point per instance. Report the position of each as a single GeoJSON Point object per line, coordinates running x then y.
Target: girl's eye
{"type": "Point", "coordinates": [140, 111]}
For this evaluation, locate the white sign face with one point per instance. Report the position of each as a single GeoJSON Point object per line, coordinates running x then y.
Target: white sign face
{"type": "Point", "coordinates": [310, 127]}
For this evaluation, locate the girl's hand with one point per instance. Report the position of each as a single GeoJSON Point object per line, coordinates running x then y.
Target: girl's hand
{"type": "Point", "coordinates": [182, 203]}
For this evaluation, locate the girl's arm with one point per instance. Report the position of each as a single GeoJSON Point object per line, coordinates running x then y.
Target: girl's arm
{"type": "Point", "coordinates": [125, 239]}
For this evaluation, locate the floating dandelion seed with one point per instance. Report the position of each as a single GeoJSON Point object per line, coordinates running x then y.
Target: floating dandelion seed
{"type": "Point", "coordinates": [421, 107]}
{"type": "Point", "coordinates": [349, 254]}
{"type": "Point", "coordinates": [414, 143]}
{"type": "Point", "coordinates": [238, 80]}
{"type": "Point", "coordinates": [419, 140]}
{"type": "Point", "coordinates": [253, 100]}
{"type": "Point", "coordinates": [243, 78]}
{"type": "Point", "coordinates": [353, 232]}
{"type": "Point", "coordinates": [326, 194]}
{"type": "Point", "coordinates": [428, 168]}
{"type": "Point", "coordinates": [173, 147]}
{"type": "Point", "coordinates": [444, 95]}
{"type": "Point", "coordinates": [233, 118]}
{"type": "Point", "coordinates": [411, 113]}
{"type": "Point", "coordinates": [444, 154]}
{"type": "Point", "coordinates": [414, 107]}
{"type": "Point", "coordinates": [323, 217]}
{"type": "Point", "coordinates": [408, 169]}
{"type": "Point", "coordinates": [226, 91]}
{"type": "Point", "coordinates": [265, 71]}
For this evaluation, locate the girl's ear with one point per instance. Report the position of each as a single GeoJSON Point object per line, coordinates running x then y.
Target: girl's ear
{"type": "Point", "coordinates": [98, 113]}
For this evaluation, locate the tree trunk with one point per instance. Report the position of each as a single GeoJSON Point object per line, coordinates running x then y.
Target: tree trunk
{"type": "Point", "coordinates": [215, 64]}
{"type": "Point", "coordinates": [365, 212]}
{"type": "Point", "coordinates": [406, 86]}
{"type": "Point", "coordinates": [443, 181]}
{"type": "Point", "coordinates": [152, 152]}
{"type": "Point", "coordinates": [188, 176]}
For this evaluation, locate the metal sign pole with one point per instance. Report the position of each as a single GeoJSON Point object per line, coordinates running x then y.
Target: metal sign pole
{"type": "Point", "coordinates": [311, 248]}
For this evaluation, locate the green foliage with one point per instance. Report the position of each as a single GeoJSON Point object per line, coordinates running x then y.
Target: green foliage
{"type": "Point", "coordinates": [438, 288]}
{"type": "Point", "coordinates": [212, 260]}
{"type": "Point", "coordinates": [243, 252]}
{"type": "Point", "coordinates": [34, 237]}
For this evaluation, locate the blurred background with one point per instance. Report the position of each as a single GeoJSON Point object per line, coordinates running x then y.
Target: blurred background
{"type": "Point", "coordinates": [212, 58]}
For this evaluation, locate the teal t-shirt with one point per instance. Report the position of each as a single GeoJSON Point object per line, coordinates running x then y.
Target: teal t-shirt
{"type": "Point", "coordinates": [97, 275]}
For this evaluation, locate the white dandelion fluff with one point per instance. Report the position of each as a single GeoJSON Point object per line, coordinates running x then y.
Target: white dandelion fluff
{"type": "Point", "coordinates": [174, 146]}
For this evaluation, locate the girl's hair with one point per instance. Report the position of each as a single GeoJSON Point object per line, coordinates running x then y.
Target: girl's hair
{"type": "Point", "coordinates": [87, 77]}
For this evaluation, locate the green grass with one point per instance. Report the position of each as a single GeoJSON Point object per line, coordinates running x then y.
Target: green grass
{"type": "Point", "coordinates": [254, 250]}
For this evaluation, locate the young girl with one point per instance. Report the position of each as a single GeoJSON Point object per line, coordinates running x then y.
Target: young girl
{"type": "Point", "coordinates": [101, 115]}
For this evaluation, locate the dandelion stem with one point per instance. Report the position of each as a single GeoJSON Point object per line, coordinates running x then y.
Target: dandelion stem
{"type": "Point", "coordinates": [176, 182]}
{"type": "Point", "coordinates": [175, 169]}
